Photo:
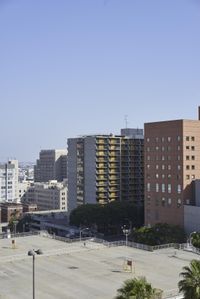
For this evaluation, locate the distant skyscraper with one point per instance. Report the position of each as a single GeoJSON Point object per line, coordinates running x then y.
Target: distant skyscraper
{"type": "Point", "coordinates": [105, 168]}
{"type": "Point", "coordinates": [52, 165]}
{"type": "Point", "coordinates": [9, 182]}
{"type": "Point", "coordinates": [172, 163]}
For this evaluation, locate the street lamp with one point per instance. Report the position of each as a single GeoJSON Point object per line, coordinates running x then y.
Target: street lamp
{"type": "Point", "coordinates": [32, 253]}
{"type": "Point", "coordinates": [15, 222]}
{"type": "Point", "coordinates": [126, 232]}
{"type": "Point", "coordinates": [80, 232]}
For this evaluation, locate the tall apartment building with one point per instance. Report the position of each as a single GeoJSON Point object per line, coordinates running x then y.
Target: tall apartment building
{"type": "Point", "coordinates": [51, 165]}
{"type": "Point", "coordinates": [47, 196]}
{"type": "Point", "coordinates": [172, 163]}
{"type": "Point", "coordinates": [9, 182]}
{"type": "Point", "coordinates": [105, 168]}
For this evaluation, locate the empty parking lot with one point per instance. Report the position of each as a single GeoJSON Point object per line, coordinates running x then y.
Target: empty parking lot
{"type": "Point", "coordinates": [75, 270]}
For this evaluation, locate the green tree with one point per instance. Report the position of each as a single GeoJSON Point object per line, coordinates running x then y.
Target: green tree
{"type": "Point", "coordinates": [190, 284]}
{"type": "Point", "coordinates": [137, 288]}
{"type": "Point", "coordinates": [14, 217]}
{"type": "Point", "coordinates": [161, 233]}
{"type": "Point", "coordinates": [196, 240]}
{"type": "Point", "coordinates": [107, 218]}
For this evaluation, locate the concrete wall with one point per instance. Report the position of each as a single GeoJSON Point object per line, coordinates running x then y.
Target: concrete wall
{"type": "Point", "coordinates": [191, 218]}
{"type": "Point", "coordinates": [72, 174]}
{"type": "Point", "coordinates": [90, 169]}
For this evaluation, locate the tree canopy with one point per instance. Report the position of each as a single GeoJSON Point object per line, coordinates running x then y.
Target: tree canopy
{"type": "Point", "coordinates": [107, 218]}
{"type": "Point", "coordinates": [189, 286]}
{"type": "Point", "coordinates": [137, 288]}
{"type": "Point", "coordinates": [161, 233]}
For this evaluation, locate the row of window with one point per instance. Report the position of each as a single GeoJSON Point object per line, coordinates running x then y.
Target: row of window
{"type": "Point", "coordinates": [163, 176]}
{"type": "Point", "coordinates": [163, 188]}
{"type": "Point", "coordinates": [163, 158]}
{"type": "Point", "coordinates": [168, 167]}
{"type": "Point", "coordinates": [164, 201]}
{"type": "Point", "coordinates": [168, 148]}
{"type": "Point", "coordinates": [169, 139]}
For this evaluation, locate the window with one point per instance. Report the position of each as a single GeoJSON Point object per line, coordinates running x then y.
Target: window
{"type": "Point", "coordinates": [179, 167]}
{"type": "Point", "coordinates": [157, 202]}
{"type": "Point", "coordinates": [148, 187]}
{"type": "Point", "coordinates": [163, 201]}
{"type": "Point", "coordinates": [163, 148]}
{"type": "Point", "coordinates": [169, 167]}
{"type": "Point", "coordinates": [178, 188]}
{"type": "Point", "coordinates": [148, 139]}
{"type": "Point", "coordinates": [178, 138]}
{"type": "Point", "coordinates": [178, 202]}
{"type": "Point", "coordinates": [178, 148]}
{"type": "Point", "coordinates": [193, 177]}
{"type": "Point", "coordinates": [163, 176]}
{"type": "Point", "coordinates": [157, 175]}
{"type": "Point", "coordinates": [178, 157]}
{"type": "Point", "coordinates": [163, 139]}
{"type": "Point", "coordinates": [187, 157]}
{"type": "Point", "coordinates": [193, 167]}
{"type": "Point", "coordinates": [157, 166]}
{"type": "Point", "coordinates": [169, 148]}
{"type": "Point", "coordinates": [169, 188]}
{"type": "Point", "coordinates": [148, 158]}
{"type": "Point", "coordinates": [169, 176]}
{"type": "Point", "coordinates": [187, 147]}
{"type": "Point", "coordinates": [163, 188]}
{"type": "Point", "coordinates": [169, 139]}
{"type": "Point", "coordinates": [169, 158]}
{"type": "Point", "coordinates": [193, 157]}
{"type": "Point", "coordinates": [148, 149]}
{"type": "Point", "coordinates": [163, 158]}
{"type": "Point", "coordinates": [187, 167]}
{"type": "Point", "coordinates": [192, 148]}
{"type": "Point", "coordinates": [157, 148]}
{"type": "Point", "coordinates": [157, 139]}
{"type": "Point", "coordinates": [157, 187]}
{"type": "Point", "coordinates": [163, 167]}
{"type": "Point", "coordinates": [169, 201]}
{"type": "Point", "coordinates": [187, 138]}
{"type": "Point", "coordinates": [148, 166]}
{"type": "Point", "coordinates": [187, 176]}
{"type": "Point", "coordinates": [193, 138]}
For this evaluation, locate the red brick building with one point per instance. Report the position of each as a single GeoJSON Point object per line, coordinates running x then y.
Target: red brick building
{"type": "Point", "coordinates": [172, 163]}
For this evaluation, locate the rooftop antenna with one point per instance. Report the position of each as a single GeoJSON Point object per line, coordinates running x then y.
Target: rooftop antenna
{"type": "Point", "coordinates": [126, 121]}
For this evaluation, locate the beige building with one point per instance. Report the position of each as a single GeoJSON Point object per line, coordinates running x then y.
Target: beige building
{"type": "Point", "coordinates": [172, 163]}
{"type": "Point", "coordinates": [51, 165]}
{"type": "Point", "coordinates": [48, 196]}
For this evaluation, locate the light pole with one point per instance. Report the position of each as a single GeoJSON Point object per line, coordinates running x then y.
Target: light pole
{"type": "Point", "coordinates": [15, 222]}
{"type": "Point", "coordinates": [32, 253]}
{"type": "Point", "coordinates": [126, 232]}
{"type": "Point", "coordinates": [80, 234]}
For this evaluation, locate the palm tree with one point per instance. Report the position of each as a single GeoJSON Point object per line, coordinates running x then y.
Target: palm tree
{"type": "Point", "coordinates": [190, 284]}
{"type": "Point", "coordinates": [137, 288]}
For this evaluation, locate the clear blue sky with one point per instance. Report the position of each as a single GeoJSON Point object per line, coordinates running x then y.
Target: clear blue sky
{"type": "Point", "coordinates": [72, 67]}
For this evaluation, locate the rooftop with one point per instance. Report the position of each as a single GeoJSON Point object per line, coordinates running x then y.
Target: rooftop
{"type": "Point", "coordinates": [75, 270]}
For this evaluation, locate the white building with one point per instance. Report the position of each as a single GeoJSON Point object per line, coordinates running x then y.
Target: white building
{"type": "Point", "coordinates": [9, 182]}
{"type": "Point", "coordinates": [48, 196]}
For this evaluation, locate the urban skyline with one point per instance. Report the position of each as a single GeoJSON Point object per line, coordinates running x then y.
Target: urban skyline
{"type": "Point", "coordinates": [79, 67]}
